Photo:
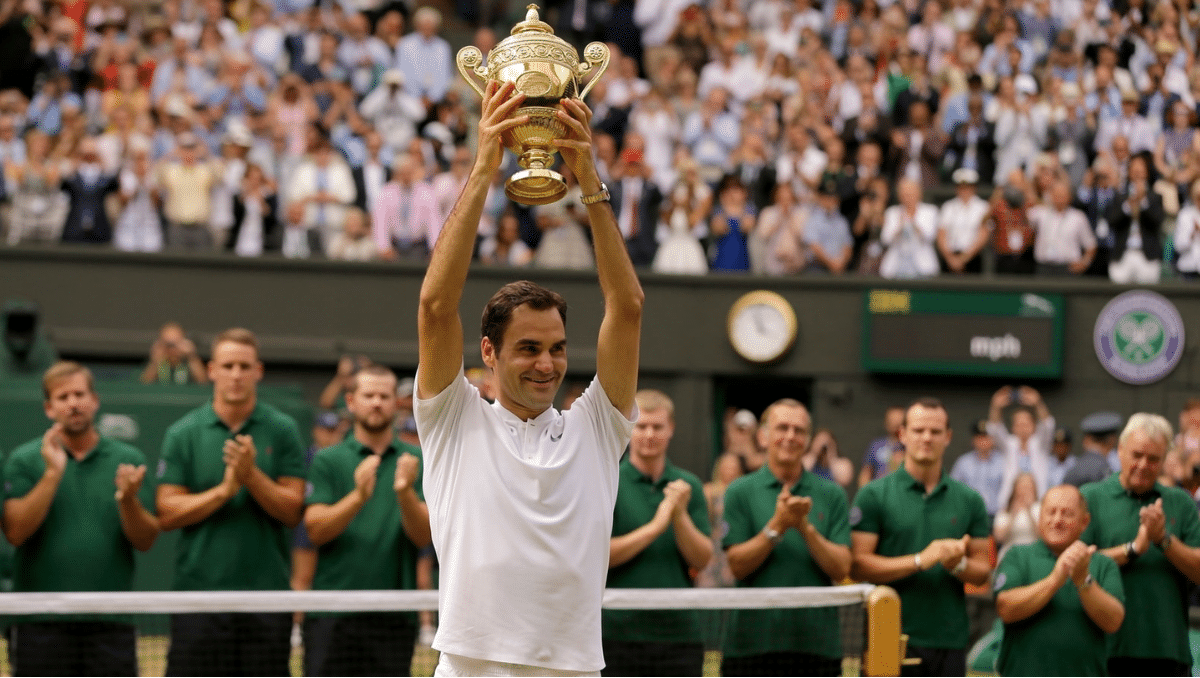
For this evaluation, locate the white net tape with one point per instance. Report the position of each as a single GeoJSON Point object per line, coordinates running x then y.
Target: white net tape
{"type": "Point", "coordinates": [161, 602]}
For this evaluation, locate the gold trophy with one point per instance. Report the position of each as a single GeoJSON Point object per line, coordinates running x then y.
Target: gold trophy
{"type": "Point", "coordinates": [546, 69]}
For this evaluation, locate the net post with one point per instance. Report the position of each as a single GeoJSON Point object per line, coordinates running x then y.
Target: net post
{"type": "Point", "coordinates": [883, 653]}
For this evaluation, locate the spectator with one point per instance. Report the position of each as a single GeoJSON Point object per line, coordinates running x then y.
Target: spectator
{"type": "Point", "coordinates": [732, 223]}
{"type": "Point", "coordinates": [1140, 131]}
{"type": "Point", "coordinates": [711, 134]}
{"type": "Point", "coordinates": [907, 524]}
{"type": "Point", "coordinates": [908, 236]}
{"type": "Point", "coordinates": [787, 527]}
{"type": "Point", "coordinates": [963, 226]}
{"type": "Point", "coordinates": [87, 187]}
{"type": "Point", "coordinates": [660, 534]}
{"type": "Point", "coordinates": [1061, 459]}
{"type": "Point", "coordinates": [361, 55]}
{"type": "Point", "coordinates": [884, 454]}
{"type": "Point", "coordinates": [38, 207]}
{"type": "Point", "coordinates": [637, 201]}
{"type": "Point", "coordinates": [355, 242]}
{"type": "Point", "coordinates": [1099, 444]}
{"type": "Point", "coordinates": [186, 183]}
{"type": "Point", "coordinates": [425, 58]}
{"type": "Point", "coordinates": [367, 536]}
{"type": "Point", "coordinates": [972, 142]}
{"type": "Point", "coordinates": [1187, 235]}
{"type": "Point", "coordinates": [1018, 522]}
{"type": "Point", "coordinates": [1026, 448]}
{"type": "Point", "coordinates": [323, 186]}
{"type": "Point", "coordinates": [823, 460]}
{"type": "Point", "coordinates": [919, 148]}
{"type": "Point", "coordinates": [1065, 243]}
{"type": "Point", "coordinates": [1152, 532]}
{"type": "Point", "coordinates": [237, 505]}
{"type": "Point", "coordinates": [79, 539]}
{"type": "Point", "coordinates": [1136, 222]}
{"type": "Point", "coordinates": [564, 242]}
{"type": "Point", "coordinates": [255, 216]}
{"type": "Point", "coordinates": [726, 469]}
{"type": "Point", "coordinates": [405, 216]}
{"type": "Point", "coordinates": [1013, 236]}
{"type": "Point", "coordinates": [173, 359]}
{"type": "Point", "coordinates": [392, 110]}
{"type": "Point", "coordinates": [981, 468]}
{"type": "Point", "coordinates": [827, 234]}
{"type": "Point", "coordinates": [505, 246]}
{"type": "Point", "coordinates": [777, 245]}
{"type": "Point", "coordinates": [1022, 124]}
{"type": "Point", "coordinates": [1096, 195]}
{"type": "Point", "coordinates": [139, 227]}
{"type": "Point", "coordinates": [1051, 627]}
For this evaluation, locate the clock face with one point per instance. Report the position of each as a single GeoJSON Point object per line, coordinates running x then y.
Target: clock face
{"type": "Point", "coordinates": [761, 328]}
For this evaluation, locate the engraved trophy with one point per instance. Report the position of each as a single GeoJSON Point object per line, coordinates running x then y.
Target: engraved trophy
{"type": "Point", "coordinates": [546, 69]}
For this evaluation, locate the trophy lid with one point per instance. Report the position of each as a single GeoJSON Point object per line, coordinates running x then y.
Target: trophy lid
{"type": "Point", "coordinates": [532, 23]}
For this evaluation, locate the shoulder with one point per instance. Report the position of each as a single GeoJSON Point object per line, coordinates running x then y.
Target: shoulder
{"type": "Point", "coordinates": [1176, 499]}
{"type": "Point", "coordinates": [275, 416]}
{"type": "Point", "coordinates": [123, 450]}
{"type": "Point", "coordinates": [684, 474]}
{"type": "Point", "coordinates": [25, 450]}
{"type": "Point", "coordinates": [740, 486]}
{"type": "Point", "coordinates": [404, 448]}
{"type": "Point", "coordinates": [189, 421]}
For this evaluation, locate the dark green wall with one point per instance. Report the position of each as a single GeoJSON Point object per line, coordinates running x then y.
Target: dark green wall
{"type": "Point", "coordinates": [108, 305]}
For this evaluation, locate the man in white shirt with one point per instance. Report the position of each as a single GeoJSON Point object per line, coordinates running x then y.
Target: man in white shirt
{"type": "Point", "coordinates": [521, 495]}
{"type": "Point", "coordinates": [962, 225]}
{"type": "Point", "coordinates": [1065, 243]}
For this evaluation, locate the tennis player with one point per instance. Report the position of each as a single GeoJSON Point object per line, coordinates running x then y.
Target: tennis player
{"type": "Point", "coordinates": [521, 495]}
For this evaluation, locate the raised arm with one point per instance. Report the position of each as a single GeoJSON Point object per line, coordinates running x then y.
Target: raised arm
{"type": "Point", "coordinates": [620, 331]}
{"type": "Point", "coordinates": [439, 327]}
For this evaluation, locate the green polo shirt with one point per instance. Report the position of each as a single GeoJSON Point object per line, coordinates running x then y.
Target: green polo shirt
{"type": "Point", "coordinates": [1156, 612]}
{"type": "Point", "coordinates": [749, 505]}
{"type": "Point", "coordinates": [240, 546]}
{"type": "Point", "coordinates": [1060, 640]}
{"type": "Point", "coordinates": [373, 552]}
{"type": "Point", "coordinates": [660, 565]}
{"type": "Point", "coordinates": [897, 509]}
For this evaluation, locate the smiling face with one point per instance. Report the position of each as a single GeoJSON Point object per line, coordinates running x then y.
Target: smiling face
{"type": "Point", "coordinates": [1063, 518]}
{"type": "Point", "coordinates": [530, 362]}
{"type": "Point", "coordinates": [785, 433]}
{"type": "Point", "coordinates": [72, 403]}
{"type": "Point", "coordinates": [1141, 458]}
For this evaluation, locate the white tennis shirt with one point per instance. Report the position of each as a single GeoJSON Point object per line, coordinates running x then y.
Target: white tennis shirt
{"type": "Point", "coordinates": [521, 514]}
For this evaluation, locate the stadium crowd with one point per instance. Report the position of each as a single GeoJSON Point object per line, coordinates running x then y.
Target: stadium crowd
{"type": "Point", "coordinates": [778, 137]}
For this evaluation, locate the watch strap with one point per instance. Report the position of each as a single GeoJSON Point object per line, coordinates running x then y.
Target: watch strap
{"type": "Point", "coordinates": [601, 196]}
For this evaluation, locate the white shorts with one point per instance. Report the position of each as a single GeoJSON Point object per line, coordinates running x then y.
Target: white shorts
{"type": "Point", "coordinates": [458, 665]}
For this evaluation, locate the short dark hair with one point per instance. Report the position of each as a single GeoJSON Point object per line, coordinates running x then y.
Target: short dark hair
{"type": "Point", "coordinates": [928, 403]}
{"type": "Point", "coordinates": [374, 370]}
{"type": "Point", "coordinates": [497, 313]}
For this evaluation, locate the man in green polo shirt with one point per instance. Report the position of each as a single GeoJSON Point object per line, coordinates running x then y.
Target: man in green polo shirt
{"type": "Point", "coordinates": [231, 478]}
{"type": "Point", "coordinates": [73, 533]}
{"type": "Point", "coordinates": [1153, 534]}
{"type": "Point", "coordinates": [368, 536]}
{"type": "Point", "coordinates": [660, 537]}
{"type": "Point", "coordinates": [1052, 627]}
{"type": "Point", "coordinates": [924, 534]}
{"type": "Point", "coordinates": [787, 527]}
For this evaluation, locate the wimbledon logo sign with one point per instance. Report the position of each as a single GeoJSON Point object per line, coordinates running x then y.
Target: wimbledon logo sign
{"type": "Point", "coordinates": [1139, 337]}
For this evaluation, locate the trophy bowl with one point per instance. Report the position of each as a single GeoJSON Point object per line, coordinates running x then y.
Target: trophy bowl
{"type": "Point", "coordinates": [546, 69]}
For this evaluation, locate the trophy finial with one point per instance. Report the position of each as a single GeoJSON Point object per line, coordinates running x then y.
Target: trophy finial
{"type": "Point", "coordinates": [533, 22]}
{"type": "Point", "coordinates": [532, 14]}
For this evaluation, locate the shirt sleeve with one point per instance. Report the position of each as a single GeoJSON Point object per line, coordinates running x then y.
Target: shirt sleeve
{"type": "Point", "coordinates": [290, 463]}
{"type": "Point", "coordinates": [978, 525]}
{"type": "Point", "coordinates": [1011, 573]}
{"type": "Point", "coordinates": [737, 516]}
{"type": "Point", "coordinates": [1187, 525]}
{"type": "Point", "coordinates": [1106, 573]}
{"type": "Point", "coordinates": [838, 530]}
{"type": "Point", "coordinates": [173, 463]}
{"type": "Point", "coordinates": [319, 489]}
{"type": "Point", "coordinates": [698, 507]}
{"type": "Point", "coordinates": [20, 475]}
{"type": "Point", "coordinates": [611, 427]}
{"type": "Point", "coordinates": [866, 516]}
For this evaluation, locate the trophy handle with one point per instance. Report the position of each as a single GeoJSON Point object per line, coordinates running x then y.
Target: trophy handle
{"type": "Point", "coordinates": [595, 55]}
{"type": "Point", "coordinates": [470, 57]}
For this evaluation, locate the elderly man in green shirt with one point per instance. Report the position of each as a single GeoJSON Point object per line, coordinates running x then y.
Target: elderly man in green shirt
{"type": "Point", "coordinates": [1153, 534]}
{"type": "Point", "coordinates": [231, 479]}
{"type": "Point", "coordinates": [660, 536]}
{"type": "Point", "coordinates": [787, 527]}
{"type": "Point", "coordinates": [368, 535]}
{"type": "Point", "coordinates": [1058, 598]}
{"type": "Point", "coordinates": [924, 534]}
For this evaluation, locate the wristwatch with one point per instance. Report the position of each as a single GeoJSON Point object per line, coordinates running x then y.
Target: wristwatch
{"type": "Point", "coordinates": [960, 567]}
{"type": "Point", "coordinates": [602, 196]}
{"type": "Point", "coordinates": [773, 536]}
{"type": "Point", "coordinates": [1131, 553]}
{"type": "Point", "coordinates": [1166, 541]}
{"type": "Point", "coordinates": [1087, 581]}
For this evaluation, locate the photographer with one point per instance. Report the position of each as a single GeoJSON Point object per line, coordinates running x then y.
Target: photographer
{"type": "Point", "coordinates": [173, 359]}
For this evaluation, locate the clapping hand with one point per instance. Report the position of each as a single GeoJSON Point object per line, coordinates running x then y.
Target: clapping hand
{"type": "Point", "coordinates": [128, 480]}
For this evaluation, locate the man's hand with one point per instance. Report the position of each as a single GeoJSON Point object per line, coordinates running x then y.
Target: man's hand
{"type": "Point", "coordinates": [1069, 561]}
{"type": "Point", "coordinates": [576, 147]}
{"type": "Point", "coordinates": [1028, 396]}
{"type": "Point", "coordinates": [798, 508]}
{"type": "Point", "coordinates": [1080, 572]}
{"type": "Point", "coordinates": [406, 472]}
{"type": "Point", "coordinates": [364, 476]}
{"type": "Point", "coordinates": [500, 100]}
{"type": "Point", "coordinates": [679, 492]}
{"type": "Point", "coordinates": [128, 480]}
{"type": "Point", "coordinates": [239, 454]}
{"type": "Point", "coordinates": [158, 351]}
{"type": "Point", "coordinates": [1002, 397]}
{"type": "Point", "coordinates": [230, 483]}
{"type": "Point", "coordinates": [1154, 520]}
{"type": "Point", "coordinates": [53, 452]}
{"type": "Point", "coordinates": [947, 551]}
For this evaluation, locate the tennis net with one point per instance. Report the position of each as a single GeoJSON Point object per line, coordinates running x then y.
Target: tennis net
{"type": "Point", "coordinates": [713, 628]}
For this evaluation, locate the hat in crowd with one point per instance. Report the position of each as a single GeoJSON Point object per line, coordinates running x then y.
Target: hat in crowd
{"type": "Point", "coordinates": [745, 419]}
{"type": "Point", "coordinates": [1025, 84]}
{"type": "Point", "coordinates": [327, 419]}
{"type": "Point", "coordinates": [178, 107]}
{"type": "Point", "coordinates": [1070, 90]}
{"type": "Point", "coordinates": [965, 175]}
{"type": "Point", "coordinates": [238, 135]}
{"type": "Point", "coordinates": [404, 387]}
{"type": "Point", "coordinates": [393, 76]}
{"type": "Point", "coordinates": [980, 427]}
{"type": "Point", "coordinates": [1062, 435]}
{"type": "Point", "coordinates": [1129, 95]}
{"type": "Point", "coordinates": [1102, 423]}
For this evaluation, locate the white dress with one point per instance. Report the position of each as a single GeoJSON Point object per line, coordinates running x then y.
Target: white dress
{"type": "Point", "coordinates": [680, 252]}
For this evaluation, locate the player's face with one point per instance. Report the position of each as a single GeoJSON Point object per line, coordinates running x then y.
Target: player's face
{"type": "Point", "coordinates": [73, 404]}
{"type": "Point", "coordinates": [373, 402]}
{"type": "Point", "coordinates": [786, 434]}
{"type": "Point", "coordinates": [651, 435]}
{"type": "Point", "coordinates": [1063, 518]}
{"type": "Point", "coordinates": [531, 362]}
{"type": "Point", "coordinates": [235, 372]}
{"type": "Point", "coordinates": [925, 435]}
{"type": "Point", "coordinates": [1141, 461]}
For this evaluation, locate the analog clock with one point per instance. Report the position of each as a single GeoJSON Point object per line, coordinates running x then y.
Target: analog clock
{"type": "Point", "coordinates": [762, 326]}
